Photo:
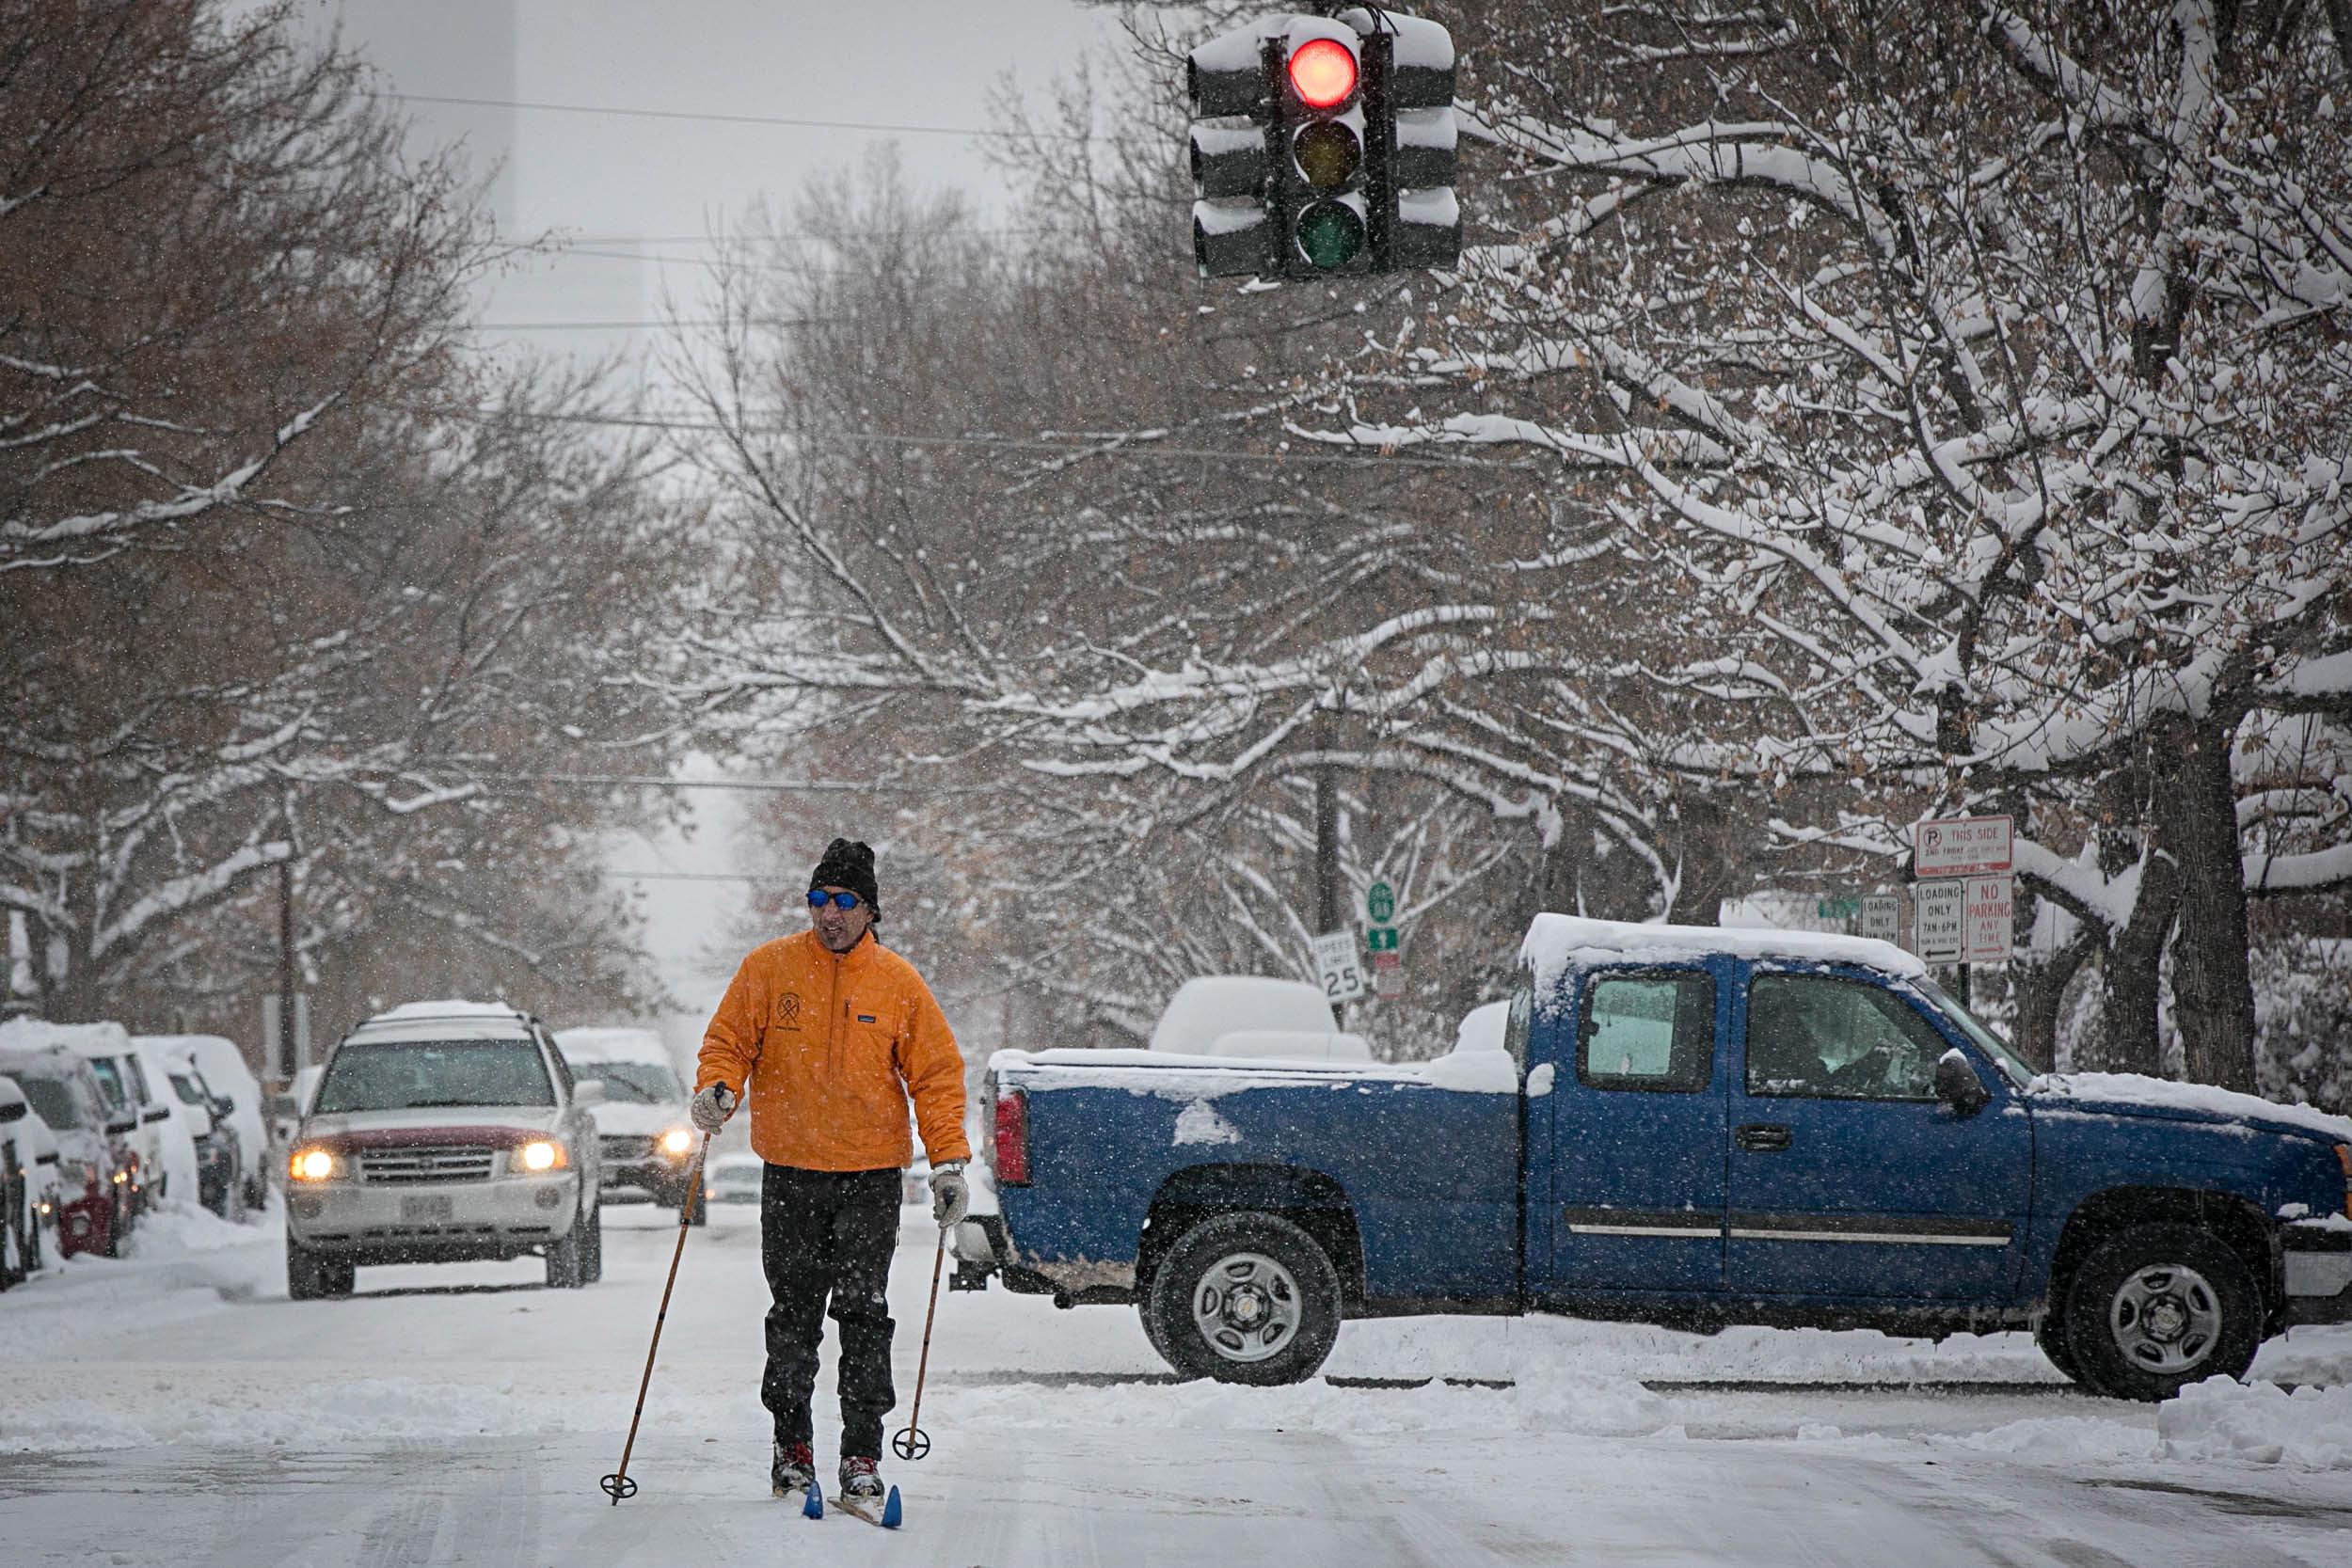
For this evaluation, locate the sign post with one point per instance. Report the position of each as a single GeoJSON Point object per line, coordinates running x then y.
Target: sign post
{"type": "Point", "coordinates": [1974, 856]}
{"type": "Point", "coordinates": [1337, 969]}
{"type": "Point", "coordinates": [1881, 915]}
{"type": "Point", "coordinates": [1938, 932]}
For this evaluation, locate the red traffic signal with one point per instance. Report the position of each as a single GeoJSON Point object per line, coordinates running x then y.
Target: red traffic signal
{"type": "Point", "coordinates": [1323, 73]}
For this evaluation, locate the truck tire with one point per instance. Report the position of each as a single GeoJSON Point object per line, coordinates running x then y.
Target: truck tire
{"type": "Point", "coordinates": [697, 1206]}
{"type": "Point", "coordinates": [567, 1256]}
{"type": "Point", "coordinates": [594, 1269]}
{"type": "Point", "coordinates": [2051, 1337]}
{"type": "Point", "coordinates": [2159, 1307]}
{"type": "Point", "coordinates": [1244, 1298]}
{"type": "Point", "coordinates": [313, 1276]}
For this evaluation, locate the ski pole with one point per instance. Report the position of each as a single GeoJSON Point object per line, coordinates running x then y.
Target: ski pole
{"type": "Point", "coordinates": [617, 1485]}
{"type": "Point", "coordinates": [913, 1442]}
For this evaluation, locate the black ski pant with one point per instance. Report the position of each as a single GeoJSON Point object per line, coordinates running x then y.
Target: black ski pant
{"type": "Point", "coordinates": [829, 1234]}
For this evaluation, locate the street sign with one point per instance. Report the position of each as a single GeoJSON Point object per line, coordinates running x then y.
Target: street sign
{"type": "Point", "coordinates": [1937, 928]}
{"type": "Point", "coordinates": [1380, 903]}
{"type": "Point", "coordinates": [1962, 847]}
{"type": "Point", "coordinates": [1882, 916]}
{"type": "Point", "coordinates": [1988, 911]}
{"type": "Point", "coordinates": [1336, 967]}
{"type": "Point", "coordinates": [1837, 907]}
{"type": "Point", "coordinates": [1388, 984]}
{"type": "Point", "coordinates": [1380, 939]}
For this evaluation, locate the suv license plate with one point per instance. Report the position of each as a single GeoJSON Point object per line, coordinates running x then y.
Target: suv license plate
{"type": "Point", "coordinates": [426, 1206]}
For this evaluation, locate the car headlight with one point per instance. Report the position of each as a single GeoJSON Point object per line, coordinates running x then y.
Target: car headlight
{"type": "Point", "coordinates": [677, 1143]}
{"type": "Point", "coordinates": [538, 1157]}
{"type": "Point", "coordinates": [313, 1165]}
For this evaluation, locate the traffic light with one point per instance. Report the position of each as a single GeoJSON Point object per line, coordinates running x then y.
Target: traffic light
{"type": "Point", "coordinates": [1324, 146]}
{"type": "Point", "coordinates": [1415, 129]}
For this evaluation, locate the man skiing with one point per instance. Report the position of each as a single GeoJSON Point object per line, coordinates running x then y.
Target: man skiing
{"type": "Point", "coordinates": [827, 1033]}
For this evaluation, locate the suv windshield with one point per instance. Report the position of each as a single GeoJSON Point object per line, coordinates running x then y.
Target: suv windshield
{"type": "Point", "coordinates": [55, 1104]}
{"type": "Point", "coordinates": [393, 1075]}
{"type": "Point", "coordinates": [634, 1083]}
{"type": "Point", "coordinates": [184, 1087]}
{"type": "Point", "coordinates": [109, 1075]}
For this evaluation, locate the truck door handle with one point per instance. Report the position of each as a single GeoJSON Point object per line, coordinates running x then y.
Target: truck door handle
{"type": "Point", "coordinates": [1760, 1138]}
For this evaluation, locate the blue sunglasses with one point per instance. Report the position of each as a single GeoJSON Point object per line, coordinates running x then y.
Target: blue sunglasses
{"type": "Point", "coordinates": [818, 897]}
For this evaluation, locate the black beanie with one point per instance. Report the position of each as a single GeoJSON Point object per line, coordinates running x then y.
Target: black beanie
{"type": "Point", "coordinates": [850, 863]}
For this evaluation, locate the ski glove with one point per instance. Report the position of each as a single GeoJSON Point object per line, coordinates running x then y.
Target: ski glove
{"type": "Point", "coordinates": [950, 1194]}
{"type": "Point", "coordinates": [711, 1108]}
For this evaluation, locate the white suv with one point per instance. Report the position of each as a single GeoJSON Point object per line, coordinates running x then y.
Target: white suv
{"type": "Point", "coordinates": [442, 1131]}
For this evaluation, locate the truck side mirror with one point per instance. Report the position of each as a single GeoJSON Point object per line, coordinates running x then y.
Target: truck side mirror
{"type": "Point", "coordinates": [123, 1125]}
{"type": "Point", "coordinates": [1958, 1085]}
{"type": "Point", "coordinates": [161, 1112]}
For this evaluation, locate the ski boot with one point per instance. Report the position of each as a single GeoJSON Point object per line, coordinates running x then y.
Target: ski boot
{"type": "Point", "coordinates": [859, 1480]}
{"type": "Point", "coordinates": [793, 1469]}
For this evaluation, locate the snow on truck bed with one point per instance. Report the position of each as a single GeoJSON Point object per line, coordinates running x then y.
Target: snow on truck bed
{"type": "Point", "coordinates": [1169, 1075]}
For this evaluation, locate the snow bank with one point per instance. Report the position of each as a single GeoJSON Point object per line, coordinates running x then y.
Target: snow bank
{"type": "Point", "coordinates": [2259, 1424]}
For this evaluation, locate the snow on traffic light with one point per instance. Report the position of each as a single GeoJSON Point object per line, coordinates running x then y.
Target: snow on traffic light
{"type": "Point", "coordinates": [1324, 146]}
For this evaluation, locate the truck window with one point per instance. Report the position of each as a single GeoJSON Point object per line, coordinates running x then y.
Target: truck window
{"type": "Point", "coordinates": [1653, 1032]}
{"type": "Point", "coordinates": [1826, 1037]}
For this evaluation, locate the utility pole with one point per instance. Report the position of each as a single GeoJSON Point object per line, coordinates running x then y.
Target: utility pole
{"type": "Point", "coordinates": [286, 966]}
{"type": "Point", "coordinates": [1328, 854]}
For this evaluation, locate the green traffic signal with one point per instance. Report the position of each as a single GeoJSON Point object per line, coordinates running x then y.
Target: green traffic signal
{"type": "Point", "coordinates": [1329, 236]}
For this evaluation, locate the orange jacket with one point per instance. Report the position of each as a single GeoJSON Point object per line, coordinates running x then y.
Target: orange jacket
{"type": "Point", "coordinates": [820, 1045]}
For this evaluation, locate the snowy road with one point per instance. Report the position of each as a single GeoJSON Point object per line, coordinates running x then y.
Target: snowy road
{"type": "Point", "coordinates": [176, 1408]}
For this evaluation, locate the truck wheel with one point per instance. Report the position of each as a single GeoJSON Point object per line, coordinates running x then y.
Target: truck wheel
{"type": "Point", "coordinates": [697, 1207]}
{"type": "Point", "coordinates": [2051, 1337]}
{"type": "Point", "coordinates": [594, 1269]}
{"type": "Point", "coordinates": [568, 1258]}
{"type": "Point", "coordinates": [1244, 1298]}
{"type": "Point", "coordinates": [2159, 1307]}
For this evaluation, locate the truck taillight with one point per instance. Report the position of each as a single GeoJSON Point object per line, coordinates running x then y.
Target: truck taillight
{"type": "Point", "coordinates": [1012, 1139]}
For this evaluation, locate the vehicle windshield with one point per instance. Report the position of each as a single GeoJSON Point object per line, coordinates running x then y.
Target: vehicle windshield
{"type": "Point", "coordinates": [109, 1075]}
{"type": "Point", "coordinates": [53, 1103]}
{"type": "Point", "coordinates": [184, 1087]}
{"type": "Point", "coordinates": [634, 1083]}
{"type": "Point", "coordinates": [1986, 1040]}
{"type": "Point", "coordinates": [395, 1075]}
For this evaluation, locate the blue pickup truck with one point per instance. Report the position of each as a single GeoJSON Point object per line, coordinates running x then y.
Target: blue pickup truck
{"type": "Point", "coordinates": [1688, 1125]}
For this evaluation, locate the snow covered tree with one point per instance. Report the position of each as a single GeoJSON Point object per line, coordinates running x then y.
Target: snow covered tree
{"type": "Point", "coordinates": [1983, 370]}
{"type": "Point", "coordinates": [267, 603]}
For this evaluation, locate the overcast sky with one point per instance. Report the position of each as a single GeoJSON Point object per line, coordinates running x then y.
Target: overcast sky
{"type": "Point", "coordinates": [649, 186]}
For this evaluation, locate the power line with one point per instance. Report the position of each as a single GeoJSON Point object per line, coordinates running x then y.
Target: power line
{"type": "Point", "coordinates": [706, 116]}
{"type": "Point", "coordinates": [1139, 444]}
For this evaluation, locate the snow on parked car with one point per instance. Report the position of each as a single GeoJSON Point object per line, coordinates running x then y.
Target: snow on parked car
{"type": "Point", "coordinates": [94, 1166]}
{"type": "Point", "coordinates": [226, 1072]}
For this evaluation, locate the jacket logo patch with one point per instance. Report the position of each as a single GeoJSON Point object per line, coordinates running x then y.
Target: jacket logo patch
{"type": "Point", "coordinates": [788, 1010]}
{"type": "Point", "coordinates": [866, 1017]}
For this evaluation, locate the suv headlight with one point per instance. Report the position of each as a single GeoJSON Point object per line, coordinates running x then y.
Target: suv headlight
{"type": "Point", "coordinates": [677, 1143]}
{"type": "Point", "coordinates": [313, 1163]}
{"type": "Point", "coordinates": [537, 1158]}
